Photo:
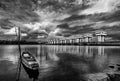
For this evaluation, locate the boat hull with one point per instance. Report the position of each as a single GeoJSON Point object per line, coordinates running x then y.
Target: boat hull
{"type": "Point", "coordinates": [29, 61]}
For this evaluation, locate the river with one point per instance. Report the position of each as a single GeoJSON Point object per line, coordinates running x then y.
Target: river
{"type": "Point", "coordinates": [58, 63]}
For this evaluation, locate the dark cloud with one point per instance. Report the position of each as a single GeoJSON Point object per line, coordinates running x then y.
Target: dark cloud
{"type": "Point", "coordinates": [111, 17]}
{"type": "Point", "coordinates": [68, 31]}
{"type": "Point", "coordinates": [115, 36]}
{"type": "Point", "coordinates": [114, 28]}
{"type": "Point", "coordinates": [58, 34]}
{"type": "Point", "coordinates": [25, 30]}
{"type": "Point", "coordinates": [63, 26]}
{"type": "Point", "coordinates": [38, 32]}
{"type": "Point", "coordinates": [20, 10]}
{"type": "Point", "coordinates": [107, 17]}
{"type": "Point", "coordinates": [75, 17]}
{"type": "Point", "coordinates": [67, 35]}
{"type": "Point", "coordinates": [5, 24]}
{"type": "Point", "coordinates": [82, 31]}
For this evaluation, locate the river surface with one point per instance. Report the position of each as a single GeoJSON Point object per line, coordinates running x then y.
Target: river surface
{"type": "Point", "coordinates": [57, 63]}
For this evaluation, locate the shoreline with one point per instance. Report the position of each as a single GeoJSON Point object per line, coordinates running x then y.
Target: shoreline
{"type": "Point", "coordinates": [83, 44]}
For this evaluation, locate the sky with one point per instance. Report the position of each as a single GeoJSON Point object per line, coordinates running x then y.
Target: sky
{"type": "Point", "coordinates": [48, 19]}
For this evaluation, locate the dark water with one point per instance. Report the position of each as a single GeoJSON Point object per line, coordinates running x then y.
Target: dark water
{"type": "Point", "coordinates": [57, 63]}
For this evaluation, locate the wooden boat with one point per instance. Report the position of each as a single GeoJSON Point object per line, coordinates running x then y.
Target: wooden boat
{"type": "Point", "coordinates": [29, 61]}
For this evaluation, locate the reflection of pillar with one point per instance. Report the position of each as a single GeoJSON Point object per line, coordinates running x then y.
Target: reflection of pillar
{"type": "Point", "coordinates": [90, 51]}
{"type": "Point", "coordinates": [101, 59]}
{"type": "Point", "coordinates": [65, 49]}
{"type": "Point", "coordinates": [77, 50]}
{"type": "Point", "coordinates": [101, 50]}
{"type": "Point", "coordinates": [38, 51]}
{"type": "Point", "coordinates": [86, 50]}
{"type": "Point", "coordinates": [70, 49]}
{"type": "Point", "coordinates": [82, 50]}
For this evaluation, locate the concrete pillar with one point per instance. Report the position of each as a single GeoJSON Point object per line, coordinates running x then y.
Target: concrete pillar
{"type": "Point", "coordinates": [90, 39]}
{"type": "Point", "coordinates": [73, 41]}
{"type": "Point", "coordinates": [52, 41]}
{"type": "Point", "coordinates": [87, 37]}
{"type": "Point", "coordinates": [80, 40]}
{"type": "Point", "coordinates": [77, 40]}
{"type": "Point", "coordinates": [62, 41]}
{"type": "Point", "coordinates": [48, 41]}
{"type": "Point", "coordinates": [58, 41]}
{"type": "Point", "coordinates": [70, 41]}
{"type": "Point", "coordinates": [83, 39]}
{"type": "Point", "coordinates": [65, 41]}
{"type": "Point", "coordinates": [101, 36]}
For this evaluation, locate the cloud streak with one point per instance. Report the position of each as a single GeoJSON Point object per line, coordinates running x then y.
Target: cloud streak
{"type": "Point", "coordinates": [102, 6]}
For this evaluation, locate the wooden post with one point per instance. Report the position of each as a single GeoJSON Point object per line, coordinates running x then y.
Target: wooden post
{"type": "Point", "coordinates": [20, 60]}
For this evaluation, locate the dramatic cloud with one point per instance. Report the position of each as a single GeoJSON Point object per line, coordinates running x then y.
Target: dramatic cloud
{"type": "Point", "coordinates": [102, 6]}
{"type": "Point", "coordinates": [59, 18]}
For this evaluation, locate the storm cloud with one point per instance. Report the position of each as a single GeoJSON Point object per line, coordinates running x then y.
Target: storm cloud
{"type": "Point", "coordinates": [60, 18]}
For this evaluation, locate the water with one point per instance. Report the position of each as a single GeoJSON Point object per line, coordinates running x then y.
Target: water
{"type": "Point", "coordinates": [58, 63]}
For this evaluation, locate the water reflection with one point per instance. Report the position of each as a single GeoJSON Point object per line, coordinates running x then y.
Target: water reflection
{"type": "Point", "coordinates": [67, 63]}
{"type": "Point", "coordinates": [58, 63]}
{"type": "Point", "coordinates": [87, 51]}
{"type": "Point", "coordinates": [32, 74]}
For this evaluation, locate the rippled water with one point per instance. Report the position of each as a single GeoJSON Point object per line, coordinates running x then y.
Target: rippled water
{"type": "Point", "coordinates": [57, 63]}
